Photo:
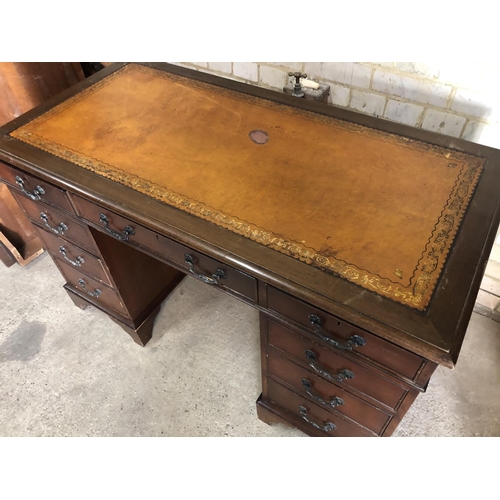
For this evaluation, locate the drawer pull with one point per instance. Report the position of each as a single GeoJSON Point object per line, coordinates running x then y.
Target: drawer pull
{"type": "Point", "coordinates": [354, 341]}
{"type": "Point", "coordinates": [35, 195]}
{"type": "Point", "coordinates": [77, 262]}
{"type": "Point", "coordinates": [123, 236]}
{"type": "Point", "coordinates": [95, 293]}
{"type": "Point", "coordinates": [58, 230]}
{"type": "Point", "coordinates": [339, 377]}
{"type": "Point", "coordinates": [214, 280]}
{"type": "Point", "coordinates": [333, 403]}
{"type": "Point", "coordinates": [325, 427]}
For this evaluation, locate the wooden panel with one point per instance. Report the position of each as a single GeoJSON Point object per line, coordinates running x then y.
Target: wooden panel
{"type": "Point", "coordinates": [75, 232]}
{"type": "Point", "coordinates": [365, 381]}
{"type": "Point", "coordinates": [20, 242]}
{"type": "Point", "coordinates": [235, 281]}
{"type": "Point", "coordinates": [80, 259]}
{"type": "Point", "coordinates": [24, 85]}
{"type": "Point", "coordinates": [404, 362]}
{"type": "Point", "coordinates": [353, 407]}
{"type": "Point", "coordinates": [93, 290]}
{"type": "Point", "coordinates": [31, 184]}
{"type": "Point", "coordinates": [291, 402]}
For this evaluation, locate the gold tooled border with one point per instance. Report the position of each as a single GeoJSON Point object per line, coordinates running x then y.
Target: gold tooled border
{"type": "Point", "coordinates": [429, 267]}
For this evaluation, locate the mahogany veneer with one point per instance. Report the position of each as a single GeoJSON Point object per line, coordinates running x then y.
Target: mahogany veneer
{"type": "Point", "coordinates": [361, 242]}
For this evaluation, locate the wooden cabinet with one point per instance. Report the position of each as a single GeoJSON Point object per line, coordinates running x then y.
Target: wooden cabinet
{"type": "Point", "coordinates": [150, 172]}
{"type": "Point", "coordinates": [22, 87]}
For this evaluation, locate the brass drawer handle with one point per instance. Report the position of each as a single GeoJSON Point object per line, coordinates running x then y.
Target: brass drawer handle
{"type": "Point", "coordinates": [339, 377]}
{"type": "Point", "coordinates": [354, 341]}
{"type": "Point", "coordinates": [59, 230]}
{"type": "Point", "coordinates": [95, 293]}
{"type": "Point", "coordinates": [327, 427]}
{"type": "Point", "coordinates": [123, 236]}
{"type": "Point", "coordinates": [213, 280]}
{"type": "Point", "coordinates": [333, 403]}
{"type": "Point", "coordinates": [77, 262]}
{"type": "Point", "coordinates": [35, 195]}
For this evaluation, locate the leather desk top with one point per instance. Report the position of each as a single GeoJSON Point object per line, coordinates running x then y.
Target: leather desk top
{"type": "Point", "coordinates": [377, 209]}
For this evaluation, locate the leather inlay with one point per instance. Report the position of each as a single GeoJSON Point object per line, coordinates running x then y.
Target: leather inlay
{"type": "Point", "coordinates": [377, 209]}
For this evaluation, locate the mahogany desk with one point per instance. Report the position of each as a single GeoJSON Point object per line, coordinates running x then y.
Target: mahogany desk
{"type": "Point", "coordinates": [362, 242]}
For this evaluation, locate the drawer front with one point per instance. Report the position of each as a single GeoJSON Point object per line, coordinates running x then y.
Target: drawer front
{"type": "Point", "coordinates": [396, 358]}
{"type": "Point", "coordinates": [204, 267]}
{"type": "Point", "coordinates": [35, 188]}
{"type": "Point", "coordinates": [115, 225]}
{"type": "Point", "coordinates": [74, 256]}
{"type": "Point", "coordinates": [325, 394]}
{"type": "Point", "coordinates": [94, 291]}
{"type": "Point", "coordinates": [58, 223]}
{"type": "Point", "coordinates": [313, 415]}
{"type": "Point", "coordinates": [334, 367]}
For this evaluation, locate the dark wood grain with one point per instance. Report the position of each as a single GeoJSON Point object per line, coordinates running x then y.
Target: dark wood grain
{"type": "Point", "coordinates": [404, 345]}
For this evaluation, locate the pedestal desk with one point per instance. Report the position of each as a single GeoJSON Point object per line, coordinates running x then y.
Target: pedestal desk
{"type": "Point", "coordinates": [361, 242]}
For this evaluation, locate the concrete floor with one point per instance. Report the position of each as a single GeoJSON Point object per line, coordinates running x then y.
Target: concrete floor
{"type": "Point", "coordinates": [68, 372]}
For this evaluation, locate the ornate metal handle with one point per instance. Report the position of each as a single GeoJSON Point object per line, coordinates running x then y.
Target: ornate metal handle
{"type": "Point", "coordinates": [214, 280]}
{"type": "Point", "coordinates": [58, 230]}
{"type": "Point", "coordinates": [123, 236]}
{"type": "Point", "coordinates": [77, 262]}
{"type": "Point", "coordinates": [334, 402]}
{"type": "Point", "coordinates": [95, 293]}
{"type": "Point", "coordinates": [325, 427]}
{"type": "Point", "coordinates": [341, 375]}
{"type": "Point", "coordinates": [354, 341]}
{"type": "Point", "coordinates": [35, 195]}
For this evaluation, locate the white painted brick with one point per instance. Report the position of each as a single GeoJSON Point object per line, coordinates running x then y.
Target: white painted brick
{"type": "Point", "coordinates": [444, 123]}
{"type": "Point", "coordinates": [339, 96]}
{"type": "Point", "coordinates": [224, 67]}
{"type": "Point", "coordinates": [480, 104]}
{"type": "Point", "coordinates": [492, 269]}
{"type": "Point", "coordinates": [411, 89]}
{"type": "Point", "coordinates": [201, 64]}
{"type": "Point", "coordinates": [471, 75]}
{"type": "Point", "coordinates": [420, 68]}
{"type": "Point", "coordinates": [388, 64]}
{"type": "Point", "coordinates": [246, 70]}
{"type": "Point", "coordinates": [483, 133]}
{"type": "Point", "coordinates": [403, 112]}
{"type": "Point", "coordinates": [495, 254]}
{"type": "Point", "coordinates": [367, 102]}
{"type": "Point", "coordinates": [497, 242]}
{"type": "Point", "coordinates": [488, 300]}
{"type": "Point", "coordinates": [491, 285]}
{"type": "Point", "coordinates": [273, 77]}
{"type": "Point", "coordinates": [348, 73]}
{"type": "Point", "coordinates": [291, 66]}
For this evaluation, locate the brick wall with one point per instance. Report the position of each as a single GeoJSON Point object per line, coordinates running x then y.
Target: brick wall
{"type": "Point", "coordinates": [456, 99]}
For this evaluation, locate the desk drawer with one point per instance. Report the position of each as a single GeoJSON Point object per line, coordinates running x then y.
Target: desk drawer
{"type": "Point", "coordinates": [396, 358]}
{"type": "Point", "coordinates": [94, 291]}
{"type": "Point", "coordinates": [335, 368]}
{"type": "Point", "coordinates": [58, 223]}
{"type": "Point", "coordinates": [209, 270]}
{"type": "Point", "coordinates": [313, 415]}
{"type": "Point", "coordinates": [35, 188]}
{"type": "Point", "coordinates": [325, 394]}
{"type": "Point", "coordinates": [74, 256]}
{"type": "Point", "coordinates": [115, 225]}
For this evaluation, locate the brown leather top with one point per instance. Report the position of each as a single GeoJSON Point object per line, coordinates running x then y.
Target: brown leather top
{"type": "Point", "coordinates": [376, 209]}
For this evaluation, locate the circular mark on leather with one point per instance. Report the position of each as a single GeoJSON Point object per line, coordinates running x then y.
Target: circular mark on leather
{"type": "Point", "coordinates": [259, 136]}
